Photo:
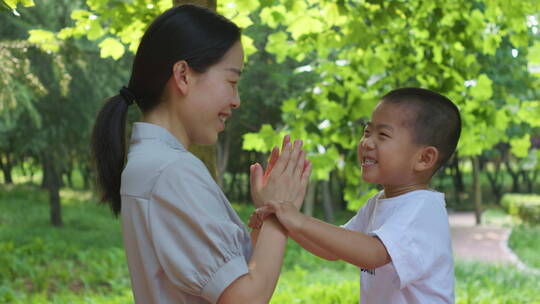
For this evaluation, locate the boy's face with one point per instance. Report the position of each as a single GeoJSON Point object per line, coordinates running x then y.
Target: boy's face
{"type": "Point", "coordinates": [386, 152]}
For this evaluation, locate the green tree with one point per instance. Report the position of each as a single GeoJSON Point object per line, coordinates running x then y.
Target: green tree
{"type": "Point", "coordinates": [50, 112]}
{"type": "Point", "coordinates": [366, 48]}
{"type": "Point", "coordinates": [357, 51]}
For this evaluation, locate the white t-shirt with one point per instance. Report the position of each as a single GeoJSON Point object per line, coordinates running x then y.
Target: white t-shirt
{"type": "Point", "coordinates": [415, 231]}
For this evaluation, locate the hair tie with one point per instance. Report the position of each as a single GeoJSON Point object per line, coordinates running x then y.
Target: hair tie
{"type": "Point", "coordinates": [127, 95]}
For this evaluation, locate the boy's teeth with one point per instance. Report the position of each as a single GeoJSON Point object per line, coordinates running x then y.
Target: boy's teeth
{"type": "Point", "coordinates": [369, 162]}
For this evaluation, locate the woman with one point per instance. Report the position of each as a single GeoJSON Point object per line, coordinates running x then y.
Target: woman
{"type": "Point", "coordinates": [184, 243]}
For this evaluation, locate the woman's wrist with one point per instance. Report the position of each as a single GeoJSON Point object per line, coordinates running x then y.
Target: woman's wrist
{"type": "Point", "coordinates": [273, 222]}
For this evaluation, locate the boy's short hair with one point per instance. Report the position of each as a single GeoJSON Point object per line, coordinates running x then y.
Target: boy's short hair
{"type": "Point", "coordinates": [436, 122]}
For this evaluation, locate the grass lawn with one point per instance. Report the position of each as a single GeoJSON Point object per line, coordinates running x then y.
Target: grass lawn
{"type": "Point", "coordinates": [84, 262]}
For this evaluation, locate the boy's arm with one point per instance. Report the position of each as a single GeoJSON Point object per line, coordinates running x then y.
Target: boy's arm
{"type": "Point", "coordinates": [313, 248]}
{"type": "Point", "coordinates": [351, 246]}
{"type": "Point", "coordinates": [255, 222]}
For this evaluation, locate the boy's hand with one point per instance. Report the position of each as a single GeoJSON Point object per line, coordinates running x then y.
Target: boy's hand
{"type": "Point", "coordinates": [286, 212]}
{"type": "Point", "coordinates": [256, 219]}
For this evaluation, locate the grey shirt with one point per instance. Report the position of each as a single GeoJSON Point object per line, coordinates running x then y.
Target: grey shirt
{"type": "Point", "coordinates": [184, 242]}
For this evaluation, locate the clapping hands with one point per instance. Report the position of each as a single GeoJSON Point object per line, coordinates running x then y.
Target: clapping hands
{"type": "Point", "coordinates": [284, 182]}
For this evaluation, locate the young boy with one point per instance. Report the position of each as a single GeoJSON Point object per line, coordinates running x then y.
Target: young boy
{"type": "Point", "coordinates": [400, 239]}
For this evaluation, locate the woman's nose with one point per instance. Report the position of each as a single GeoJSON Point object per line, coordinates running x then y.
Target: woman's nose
{"type": "Point", "coordinates": [235, 102]}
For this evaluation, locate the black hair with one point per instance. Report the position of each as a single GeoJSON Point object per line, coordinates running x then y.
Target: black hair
{"type": "Point", "coordinates": [186, 32]}
{"type": "Point", "coordinates": [436, 120]}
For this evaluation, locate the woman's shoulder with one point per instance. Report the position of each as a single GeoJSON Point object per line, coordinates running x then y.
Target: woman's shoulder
{"type": "Point", "coordinates": [143, 171]}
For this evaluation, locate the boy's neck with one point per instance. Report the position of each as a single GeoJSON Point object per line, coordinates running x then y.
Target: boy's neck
{"type": "Point", "coordinates": [393, 191]}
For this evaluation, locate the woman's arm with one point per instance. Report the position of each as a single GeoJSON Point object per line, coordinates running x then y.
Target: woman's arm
{"type": "Point", "coordinates": [287, 182]}
{"type": "Point", "coordinates": [257, 286]}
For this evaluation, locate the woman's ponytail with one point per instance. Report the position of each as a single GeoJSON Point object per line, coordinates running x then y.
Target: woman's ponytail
{"type": "Point", "coordinates": [109, 147]}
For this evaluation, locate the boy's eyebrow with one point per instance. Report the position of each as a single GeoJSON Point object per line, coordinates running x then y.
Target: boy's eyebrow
{"type": "Point", "coordinates": [235, 70]}
{"type": "Point", "coordinates": [379, 126]}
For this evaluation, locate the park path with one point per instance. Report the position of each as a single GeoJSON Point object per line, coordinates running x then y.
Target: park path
{"type": "Point", "coordinates": [484, 243]}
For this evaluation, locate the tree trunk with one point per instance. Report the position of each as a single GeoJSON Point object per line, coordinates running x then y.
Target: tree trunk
{"type": "Point", "coordinates": [514, 175]}
{"type": "Point", "coordinates": [458, 176]}
{"type": "Point", "coordinates": [85, 172]}
{"type": "Point", "coordinates": [309, 201]}
{"type": "Point", "coordinates": [337, 194]}
{"type": "Point", "coordinates": [223, 149]}
{"type": "Point", "coordinates": [457, 179]}
{"type": "Point", "coordinates": [327, 202]}
{"type": "Point", "coordinates": [45, 178]}
{"type": "Point", "coordinates": [207, 154]}
{"type": "Point", "coordinates": [495, 180]}
{"type": "Point", "coordinates": [6, 169]}
{"type": "Point", "coordinates": [52, 184]}
{"type": "Point", "coordinates": [477, 189]}
{"type": "Point", "coordinates": [534, 176]}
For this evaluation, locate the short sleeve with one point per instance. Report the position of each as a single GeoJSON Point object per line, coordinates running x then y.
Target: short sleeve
{"type": "Point", "coordinates": [199, 246]}
{"type": "Point", "coordinates": [414, 240]}
{"type": "Point", "coordinates": [359, 221]}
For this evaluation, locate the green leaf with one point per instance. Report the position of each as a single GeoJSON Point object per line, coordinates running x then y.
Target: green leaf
{"type": "Point", "coordinates": [262, 141]}
{"type": "Point", "coordinates": [111, 47]}
{"type": "Point", "coordinates": [46, 40]}
{"type": "Point", "coordinates": [13, 3]}
{"type": "Point", "coordinates": [275, 45]}
{"type": "Point", "coordinates": [529, 112]}
{"type": "Point", "coordinates": [305, 24]}
{"type": "Point", "coordinates": [520, 146]}
{"type": "Point", "coordinates": [95, 31]}
{"type": "Point", "coordinates": [249, 46]}
{"type": "Point", "coordinates": [483, 88]}
{"type": "Point", "coordinates": [534, 53]}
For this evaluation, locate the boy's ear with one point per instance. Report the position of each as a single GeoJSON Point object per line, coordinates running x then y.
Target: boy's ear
{"type": "Point", "coordinates": [427, 159]}
{"type": "Point", "coordinates": [181, 77]}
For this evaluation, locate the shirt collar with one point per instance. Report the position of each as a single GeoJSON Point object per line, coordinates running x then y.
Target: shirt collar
{"type": "Point", "coordinates": [143, 130]}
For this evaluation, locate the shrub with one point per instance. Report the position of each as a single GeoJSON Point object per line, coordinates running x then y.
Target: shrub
{"type": "Point", "coordinates": [525, 206]}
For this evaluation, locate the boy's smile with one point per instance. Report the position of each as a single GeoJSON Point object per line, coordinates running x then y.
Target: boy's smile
{"type": "Point", "coordinates": [387, 152]}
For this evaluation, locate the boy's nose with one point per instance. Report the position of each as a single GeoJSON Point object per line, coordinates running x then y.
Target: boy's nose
{"type": "Point", "coordinates": [367, 144]}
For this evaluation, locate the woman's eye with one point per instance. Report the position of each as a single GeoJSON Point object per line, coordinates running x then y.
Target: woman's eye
{"type": "Point", "coordinates": [384, 135]}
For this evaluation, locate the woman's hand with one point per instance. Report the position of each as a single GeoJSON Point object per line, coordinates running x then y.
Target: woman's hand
{"type": "Point", "coordinates": [286, 178]}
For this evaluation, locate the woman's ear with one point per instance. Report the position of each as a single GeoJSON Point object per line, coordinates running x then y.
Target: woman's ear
{"type": "Point", "coordinates": [427, 159]}
{"type": "Point", "coordinates": [180, 76]}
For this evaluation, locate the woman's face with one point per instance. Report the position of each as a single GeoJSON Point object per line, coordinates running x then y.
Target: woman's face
{"type": "Point", "coordinates": [212, 96]}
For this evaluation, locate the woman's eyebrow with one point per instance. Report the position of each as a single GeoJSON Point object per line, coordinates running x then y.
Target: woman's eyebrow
{"type": "Point", "coordinates": [235, 70]}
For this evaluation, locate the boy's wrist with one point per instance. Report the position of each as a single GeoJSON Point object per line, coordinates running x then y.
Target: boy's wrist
{"type": "Point", "coordinates": [298, 221]}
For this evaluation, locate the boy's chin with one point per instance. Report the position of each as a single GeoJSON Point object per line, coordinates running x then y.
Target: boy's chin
{"type": "Point", "coordinates": [367, 179]}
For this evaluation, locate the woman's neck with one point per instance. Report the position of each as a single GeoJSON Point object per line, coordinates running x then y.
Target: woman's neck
{"type": "Point", "coordinates": [164, 117]}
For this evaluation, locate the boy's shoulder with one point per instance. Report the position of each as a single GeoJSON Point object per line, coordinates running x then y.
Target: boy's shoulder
{"type": "Point", "coordinates": [419, 203]}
